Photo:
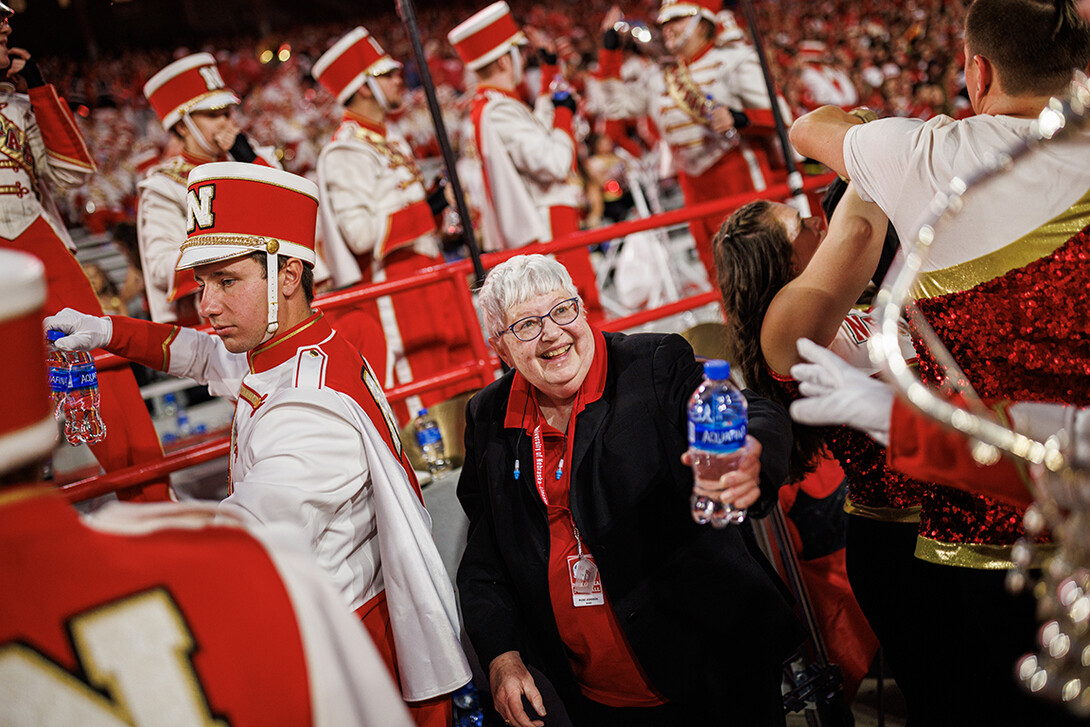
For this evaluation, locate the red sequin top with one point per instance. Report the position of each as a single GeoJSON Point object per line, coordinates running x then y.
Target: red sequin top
{"type": "Point", "coordinates": [874, 489]}
{"type": "Point", "coordinates": [1024, 335]}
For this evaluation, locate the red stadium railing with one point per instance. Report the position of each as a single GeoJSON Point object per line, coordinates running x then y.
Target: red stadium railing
{"type": "Point", "coordinates": [480, 370]}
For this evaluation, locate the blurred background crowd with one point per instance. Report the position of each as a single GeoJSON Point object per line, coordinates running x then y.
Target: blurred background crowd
{"type": "Point", "coordinates": [899, 58]}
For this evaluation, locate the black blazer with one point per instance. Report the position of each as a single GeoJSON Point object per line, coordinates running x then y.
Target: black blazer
{"type": "Point", "coordinates": [702, 608]}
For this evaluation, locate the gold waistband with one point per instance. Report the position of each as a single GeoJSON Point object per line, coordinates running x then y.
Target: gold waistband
{"type": "Point", "coordinates": [981, 556]}
{"type": "Point", "coordinates": [883, 514]}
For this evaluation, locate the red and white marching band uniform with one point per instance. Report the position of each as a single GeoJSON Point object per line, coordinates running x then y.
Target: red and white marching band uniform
{"type": "Point", "coordinates": [822, 82]}
{"type": "Point", "coordinates": [313, 441]}
{"type": "Point", "coordinates": [42, 146]}
{"type": "Point", "coordinates": [192, 83]}
{"type": "Point", "coordinates": [528, 155]}
{"type": "Point", "coordinates": [130, 624]}
{"type": "Point", "coordinates": [376, 221]}
{"type": "Point", "coordinates": [709, 165]}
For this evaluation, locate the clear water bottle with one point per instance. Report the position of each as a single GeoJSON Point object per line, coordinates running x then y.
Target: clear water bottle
{"type": "Point", "coordinates": [431, 442]}
{"type": "Point", "coordinates": [717, 434]}
{"type": "Point", "coordinates": [59, 379]}
{"type": "Point", "coordinates": [83, 423]}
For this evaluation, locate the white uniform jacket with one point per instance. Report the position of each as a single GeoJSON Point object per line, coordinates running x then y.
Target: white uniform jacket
{"type": "Point", "coordinates": [372, 199]}
{"type": "Point", "coordinates": [306, 451]}
{"type": "Point", "coordinates": [527, 168]}
{"type": "Point", "coordinates": [34, 154]}
{"type": "Point", "coordinates": [160, 229]}
{"type": "Point", "coordinates": [347, 680]}
{"type": "Point", "coordinates": [730, 75]}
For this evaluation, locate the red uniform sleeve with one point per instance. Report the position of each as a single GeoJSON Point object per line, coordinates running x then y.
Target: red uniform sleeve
{"type": "Point", "coordinates": [142, 341]}
{"type": "Point", "coordinates": [923, 448]}
{"type": "Point", "coordinates": [60, 134]}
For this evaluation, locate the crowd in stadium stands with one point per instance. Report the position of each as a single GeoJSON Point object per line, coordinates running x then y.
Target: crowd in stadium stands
{"type": "Point", "coordinates": [900, 59]}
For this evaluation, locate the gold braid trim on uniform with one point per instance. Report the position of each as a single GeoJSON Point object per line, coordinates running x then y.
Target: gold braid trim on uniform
{"type": "Point", "coordinates": [684, 91]}
{"type": "Point", "coordinates": [277, 341]}
{"type": "Point", "coordinates": [883, 514]}
{"type": "Point", "coordinates": [980, 556]}
{"type": "Point", "coordinates": [184, 108]}
{"type": "Point", "coordinates": [393, 155]}
{"type": "Point", "coordinates": [176, 169]}
{"type": "Point", "coordinates": [251, 397]}
{"type": "Point", "coordinates": [166, 348]}
{"type": "Point", "coordinates": [1035, 245]}
{"type": "Point", "coordinates": [22, 157]}
{"type": "Point", "coordinates": [259, 244]}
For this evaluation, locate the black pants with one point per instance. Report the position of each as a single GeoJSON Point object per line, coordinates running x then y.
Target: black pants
{"type": "Point", "coordinates": [762, 708]}
{"type": "Point", "coordinates": [951, 635]}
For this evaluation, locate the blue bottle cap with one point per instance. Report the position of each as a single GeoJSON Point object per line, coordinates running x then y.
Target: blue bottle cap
{"type": "Point", "coordinates": [53, 334]}
{"type": "Point", "coordinates": [717, 369]}
{"type": "Point", "coordinates": [422, 412]}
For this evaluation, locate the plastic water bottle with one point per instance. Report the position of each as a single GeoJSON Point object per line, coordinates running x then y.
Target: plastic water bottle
{"type": "Point", "coordinates": [431, 442]}
{"type": "Point", "coordinates": [717, 434]}
{"type": "Point", "coordinates": [83, 423]}
{"type": "Point", "coordinates": [59, 378]}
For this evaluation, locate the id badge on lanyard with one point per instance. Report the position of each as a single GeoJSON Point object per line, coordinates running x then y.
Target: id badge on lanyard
{"type": "Point", "coordinates": [583, 576]}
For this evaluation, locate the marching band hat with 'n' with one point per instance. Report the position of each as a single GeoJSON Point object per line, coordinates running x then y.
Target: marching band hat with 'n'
{"type": "Point", "coordinates": [486, 36]}
{"type": "Point", "coordinates": [28, 430]}
{"type": "Point", "coordinates": [235, 209]}
{"type": "Point", "coordinates": [188, 84]}
{"type": "Point", "coordinates": [810, 50]}
{"type": "Point", "coordinates": [706, 9]}
{"type": "Point", "coordinates": [350, 62]}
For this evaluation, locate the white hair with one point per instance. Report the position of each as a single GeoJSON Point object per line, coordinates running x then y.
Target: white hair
{"type": "Point", "coordinates": [516, 281]}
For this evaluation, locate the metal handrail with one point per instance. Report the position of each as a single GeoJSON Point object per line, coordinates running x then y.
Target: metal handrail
{"type": "Point", "coordinates": [478, 371]}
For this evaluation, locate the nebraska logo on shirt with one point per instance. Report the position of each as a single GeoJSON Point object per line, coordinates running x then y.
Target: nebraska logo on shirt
{"type": "Point", "coordinates": [857, 325]}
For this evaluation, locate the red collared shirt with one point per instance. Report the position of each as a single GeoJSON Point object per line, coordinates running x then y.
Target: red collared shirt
{"type": "Point", "coordinates": [603, 662]}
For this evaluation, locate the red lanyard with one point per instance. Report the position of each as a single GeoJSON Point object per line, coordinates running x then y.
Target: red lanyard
{"type": "Point", "coordinates": [539, 462]}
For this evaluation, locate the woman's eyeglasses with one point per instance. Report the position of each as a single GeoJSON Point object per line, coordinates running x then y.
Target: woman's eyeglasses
{"type": "Point", "coordinates": [530, 328]}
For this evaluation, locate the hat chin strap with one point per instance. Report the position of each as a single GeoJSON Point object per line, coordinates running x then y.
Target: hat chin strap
{"type": "Point", "coordinates": [376, 91]}
{"type": "Point", "coordinates": [690, 28]}
{"type": "Point", "coordinates": [516, 64]}
{"type": "Point", "coordinates": [202, 142]}
{"type": "Point", "coordinates": [272, 271]}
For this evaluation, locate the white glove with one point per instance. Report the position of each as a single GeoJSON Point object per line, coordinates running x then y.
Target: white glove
{"type": "Point", "coordinates": [835, 392]}
{"type": "Point", "coordinates": [85, 333]}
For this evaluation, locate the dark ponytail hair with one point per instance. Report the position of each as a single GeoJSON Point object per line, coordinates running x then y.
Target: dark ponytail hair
{"type": "Point", "coordinates": [754, 259]}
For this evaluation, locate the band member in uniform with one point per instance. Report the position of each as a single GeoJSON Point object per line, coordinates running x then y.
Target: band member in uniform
{"type": "Point", "coordinates": [42, 148]}
{"type": "Point", "coordinates": [711, 106]}
{"type": "Point", "coordinates": [528, 155]}
{"type": "Point", "coordinates": [194, 104]}
{"type": "Point", "coordinates": [131, 619]}
{"type": "Point", "coordinates": [378, 220]}
{"type": "Point", "coordinates": [989, 290]}
{"type": "Point", "coordinates": [313, 441]}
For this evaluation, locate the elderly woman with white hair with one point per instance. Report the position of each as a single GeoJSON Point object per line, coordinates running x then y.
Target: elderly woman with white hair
{"type": "Point", "coordinates": [582, 557]}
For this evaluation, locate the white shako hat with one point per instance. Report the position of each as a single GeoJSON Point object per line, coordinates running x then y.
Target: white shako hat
{"type": "Point", "coordinates": [350, 62]}
{"type": "Point", "coordinates": [486, 36]}
{"type": "Point", "coordinates": [192, 83]}
{"type": "Point", "coordinates": [236, 209]}
{"type": "Point", "coordinates": [811, 51]}
{"type": "Point", "coordinates": [28, 430]}
{"type": "Point", "coordinates": [707, 9]}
